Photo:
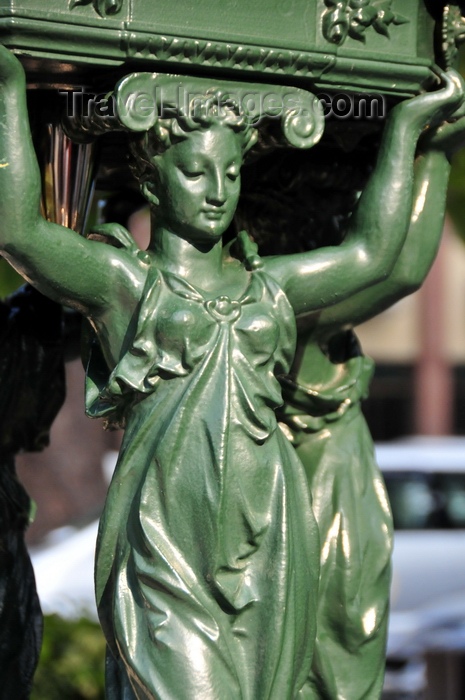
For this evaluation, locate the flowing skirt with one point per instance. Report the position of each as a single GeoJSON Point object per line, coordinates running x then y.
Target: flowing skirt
{"type": "Point", "coordinates": [207, 563]}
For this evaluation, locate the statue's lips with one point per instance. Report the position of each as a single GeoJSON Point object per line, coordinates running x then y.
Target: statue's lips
{"type": "Point", "coordinates": [213, 214]}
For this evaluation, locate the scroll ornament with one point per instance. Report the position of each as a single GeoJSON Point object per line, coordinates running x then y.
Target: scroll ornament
{"type": "Point", "coordinates": [140, 100]}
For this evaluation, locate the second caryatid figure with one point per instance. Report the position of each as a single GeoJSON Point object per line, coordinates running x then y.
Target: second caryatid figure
{"type": "Point", "coordinates": [208, 555]}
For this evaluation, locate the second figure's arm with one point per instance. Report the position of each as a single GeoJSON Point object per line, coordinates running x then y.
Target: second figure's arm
{"type": "Point", "coordinates": [380, 223]}
{"type": "Point", "coordinates": [432, 169]}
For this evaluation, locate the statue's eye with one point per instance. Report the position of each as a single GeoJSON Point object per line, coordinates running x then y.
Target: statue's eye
{"type": "Point", "coordinates": [232, 175]}
{"type": "Point", "coordinates": [192, 174]}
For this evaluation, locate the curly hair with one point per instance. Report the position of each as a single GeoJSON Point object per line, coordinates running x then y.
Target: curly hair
{"type": "Point", "coordinates": [203, 112]}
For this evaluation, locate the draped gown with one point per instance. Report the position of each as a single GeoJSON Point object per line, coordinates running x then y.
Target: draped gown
{"type": "Point", "coordinates": [207, 560]}
{"type": "Point", "coordinates": [351, 506]}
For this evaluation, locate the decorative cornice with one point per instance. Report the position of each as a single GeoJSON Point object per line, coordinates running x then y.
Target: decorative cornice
{"type": "Point", "coordinates": [216, 54]}
{"type": "Point", "coordinates": [322, 68]}
{"type": "Point", "coordinates": [111, 43]}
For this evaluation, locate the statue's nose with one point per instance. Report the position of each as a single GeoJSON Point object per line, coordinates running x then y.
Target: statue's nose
{"type": "Point", "coordinates": [217, 192]}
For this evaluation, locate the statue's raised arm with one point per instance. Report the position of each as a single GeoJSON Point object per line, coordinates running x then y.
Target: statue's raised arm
{"type": "Point", "coordinates": [380, 223]}
{"type": "Point", "coordinates": [59, 262]}
{"type": "Point", "coordinates": [431, 175]}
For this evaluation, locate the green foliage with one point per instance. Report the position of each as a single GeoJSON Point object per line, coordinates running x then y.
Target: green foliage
{"type": "Point", "coordinates": [9, 279]}
{"type": "Point", "coordinates": [71, 665]}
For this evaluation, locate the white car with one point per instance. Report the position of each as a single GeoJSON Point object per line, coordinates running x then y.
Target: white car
{"type": "Point", "coordinates": [425, 478]}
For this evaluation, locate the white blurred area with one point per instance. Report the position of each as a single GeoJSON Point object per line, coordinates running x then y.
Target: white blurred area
{"type": "Point", "coordinates": [63, 569]}
{"type": "Point", "coordinates": [64, 565]}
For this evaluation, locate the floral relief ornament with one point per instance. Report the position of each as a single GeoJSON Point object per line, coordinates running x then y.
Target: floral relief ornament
{"type": "Point", "coordinates": [103, 7]}
{"type": "Point", "coordinates": [352, 18]}
{"type": "Point", "coordinates": [453, 33]}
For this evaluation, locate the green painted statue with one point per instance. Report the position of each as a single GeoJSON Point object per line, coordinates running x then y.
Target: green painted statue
{"type": "Point", "coordinates": [322, 395]}
{"type": "Point", "coordinates": [208, 555]}
{"type": "Point", "coordinates": [324, 422]}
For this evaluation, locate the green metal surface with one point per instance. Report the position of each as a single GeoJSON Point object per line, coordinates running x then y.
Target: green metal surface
{"type": "Point", "coordinates": [385, 47]}
{"type": "Point", "coordinates": [332, 440]}
{"type": "Point", "coordinates": [209, 553]}
{"type": "Point", "coordinates": [231, 564]}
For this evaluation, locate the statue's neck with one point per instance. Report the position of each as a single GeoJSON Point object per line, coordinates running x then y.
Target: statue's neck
{"type": "Point", "coordinates": [199, 265]}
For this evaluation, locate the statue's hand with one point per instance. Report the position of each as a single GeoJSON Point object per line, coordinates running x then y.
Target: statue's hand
{"type": "Point", "coordinates": [449, 137]}
{"type": "Point", "coordinates": [432, 108]}
{"type": "Point", "coordinates": [11, 69]}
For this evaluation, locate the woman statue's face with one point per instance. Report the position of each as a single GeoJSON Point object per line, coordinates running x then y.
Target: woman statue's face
{"type": "Point", "coordinates": [199, 183]}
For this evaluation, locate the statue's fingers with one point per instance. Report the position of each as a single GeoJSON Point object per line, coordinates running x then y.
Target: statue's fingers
{"type": "Point", "coordinates": [453, 84]}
